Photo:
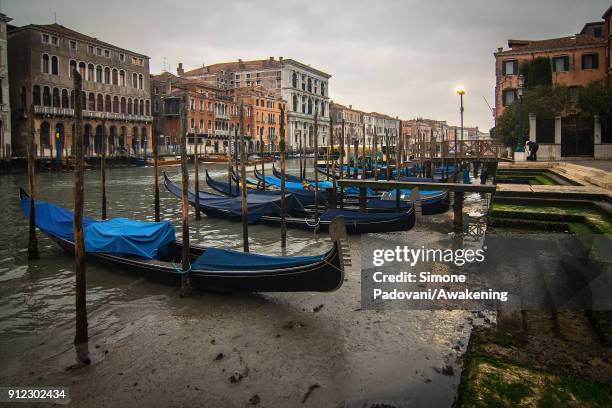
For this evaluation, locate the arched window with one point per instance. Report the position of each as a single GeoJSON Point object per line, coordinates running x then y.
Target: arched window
{"type": "Point", "coordinates": [310, 106]}
{"type": "Point", "coordinates": [323, 88]}
{"type": "Point", "coordinates": [115, 77]}
{"type": "Point", "coordinates": [92, 102]}
{"type": "Point", "coordinates": [303, 104]}
{"type": "Point", "coordinates": [116, 104]}
{"type": "Point", "coordinates": [46, 96]}
{"type": "Point", "coordinates": [72, 68]}
{"type": "Point", "coordinates": [91, 74]}
{"type": "Point", "coordinates": [140, 81]}
{"type": "Point", "coordinates": [129, 106]}
{"type": "Point", "coordinates": [72, 99]}
{"type": "Point", "coordinates": [122, 78]}
{"type": "Point", "coordinates": [84, 99]}
{"type": "Point", "coordinates": [36, 95]}
{"type": "Point", "coordinates": [147, 108]}
{"type": "Point", "coordinates": [134, 80]}
{"type": "Point", "coordinates": [54, 65]}
{"type": "Point", "coordinates": [100, 103]}
{"type": "Point", "coordinates": [107, 104]}
{"type": "Point", "coordinates": [294, 80]}
{"type": "Point", "coordinates": [295, 102]}
{"type": "Point", "coordinates": [45, 64]}
{"type": "Point", "coordinates": [107, 75]}
{"type": "Point", "coordinates": [82, 70]}
{"type": "Point", "coordinates": [65, 103]}
{"type": "Point", "coordinates": [135, 106]}
{"type": "Point", "coordinates": [309, 85]}
{"type": "Point", "coordinates": [122, 110]}
{"type": "Point", "coordinates": [99, 73]}
{"type": "Point", "coordinates": [141, 107]}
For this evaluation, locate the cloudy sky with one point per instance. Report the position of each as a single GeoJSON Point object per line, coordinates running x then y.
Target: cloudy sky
{"type": "Point", "coordinates": [403, 58]}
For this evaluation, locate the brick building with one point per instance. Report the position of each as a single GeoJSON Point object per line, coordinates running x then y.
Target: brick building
{"type": "Point", "coordinates": [213, 113]}
{"type": "Point", "coordinates": [576, 61]}
{"type": "Point", "coordinates": [304, 88]}
{"type": "Point", "coordinates": [116, 98]}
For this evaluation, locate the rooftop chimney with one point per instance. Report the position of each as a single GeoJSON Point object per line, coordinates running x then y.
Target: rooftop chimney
{"type": "Point", "coordinates": [350, 106]}
{"type": "Point", "coordinates": [179, 70]}
{"type": "Point", "coordinates": [271, 58]}
{"type": "Point", "coordinates": [500, 49]}
{"type": "Point", "coordinates": [280, 58]}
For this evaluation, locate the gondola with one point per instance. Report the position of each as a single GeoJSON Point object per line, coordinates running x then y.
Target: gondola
{"type": "Point", "coordinates": [212, 269]}
{"type": "Point", "coordinates": [264, 208]}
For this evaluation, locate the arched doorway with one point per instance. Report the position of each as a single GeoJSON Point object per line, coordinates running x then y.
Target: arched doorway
{"type": "Point", "coordinates": [59, 140]}
{"type": "Point", "coordinates": [87, 139]}
{"type": "Point", "coordinates": [112, 134]}
{"type": "Point", "coordinates": [143, 139]}
{"type": "Point", "coordinates": [135, 140]}
{"type": "Point", "coordinates": [98, 140]}
{"type": "Point", "coordinates": [122, 137]}
{"type": "Point", "coordinates": [45, 138]}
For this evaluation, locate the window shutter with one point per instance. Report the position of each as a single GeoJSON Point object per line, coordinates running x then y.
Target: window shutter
{"type": "Point", "coordinates": [515, 68]}
{"type": "Point", "coordinates": [566, 62]}
{"type": "Point", "coordinates": [503, 67]}
{"type": "Point", "coordinates": [595, 61]}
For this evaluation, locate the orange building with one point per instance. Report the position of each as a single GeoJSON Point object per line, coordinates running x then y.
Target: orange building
{"type": "Point", "coordinates": [576, 61]}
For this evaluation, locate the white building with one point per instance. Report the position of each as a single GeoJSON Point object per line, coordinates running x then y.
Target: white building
{"type": "Point", "coordinates": [5, 108]}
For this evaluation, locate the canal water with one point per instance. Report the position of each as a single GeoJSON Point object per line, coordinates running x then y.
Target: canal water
{"type": "Point", "coordinates": [152, 347]}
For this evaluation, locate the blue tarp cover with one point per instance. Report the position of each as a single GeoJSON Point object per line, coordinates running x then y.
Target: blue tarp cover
{"type": "Point", "coordinates": [258, 205]}
{"type": "Point", "coordinates": [227, 259]}
{"type": "Point", "coordinates": [125, 236]}
{"type": "Point", "coordinates": [118, 235]}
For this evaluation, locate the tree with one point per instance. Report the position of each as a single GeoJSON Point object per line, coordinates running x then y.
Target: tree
{"type": "Point", "coordinates": [596, 98]}
{"type": "Point", "coordinates": [537, 72]}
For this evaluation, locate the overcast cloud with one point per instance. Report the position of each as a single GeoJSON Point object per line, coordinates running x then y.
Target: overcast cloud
{"type": "Point", "coordinates": [403, 58]}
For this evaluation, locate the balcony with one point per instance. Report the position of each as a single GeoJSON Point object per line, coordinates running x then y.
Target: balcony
{"type": "Point", "coordinates": [222, 116]}
{"type": "Point", "coordinates": [55, 111]}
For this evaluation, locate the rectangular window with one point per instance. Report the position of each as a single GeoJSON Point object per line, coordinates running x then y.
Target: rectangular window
{"type": "Point", "coordinates": [237, 76]}
{"type": "Point", "coordinates": [107, 53]}
{"type": "Point", "coordinates": [560, 64]}
{"type": "Point", "coordinates": [73, 45]}
{"type": "Point", "coordinates": [90, 49]}
{"type": "Point", "coordinates": [590, 61]}
{"type": "Point", "coordinates": [46, 38]}
{"type": "Point", "coordinates": [54, 40]}
{"type": "Point", "coordinates": [121, 57]}
{"type": "Point", "coordinates": [99, 51]}
{"type": "Point", "coordinates": [510, 67]}
{"type": "Point", "coordinates": [248, 75]}
{"type": "Point", "coordinates": [509, 96]}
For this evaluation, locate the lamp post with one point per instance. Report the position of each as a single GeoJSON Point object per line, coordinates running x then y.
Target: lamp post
{"type": "Point", "coordinates": [520, 147]}
{"type": "Point", "coordinates": [460, 91]}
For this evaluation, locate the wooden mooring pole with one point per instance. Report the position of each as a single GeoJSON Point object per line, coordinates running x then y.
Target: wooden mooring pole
{"type": "Point", "coordinates": [342, 164]}
{"type": "Point", "coordinates": [32, 240]}
{"type": "Point", "coordinates": [186, 288]}
{"type": "Point", "coordinates": [245, 210]}
{"type": "Point", "coordinates": [316, 160]}
{"type": "Point", "coordinates": [156, 167]}
{"type": "Point", "coordinates": [81, 337]}
{"type": "Point", "coordinates": [283, 151]}
{"type": "Point", "coordinates": [196, 171]}
{"type": "Point", "coordinates": [363, 158]}
{"type": "Point", "coordinates": [263, 162]}
{"type": "Point", "coordinates": [103, 169]}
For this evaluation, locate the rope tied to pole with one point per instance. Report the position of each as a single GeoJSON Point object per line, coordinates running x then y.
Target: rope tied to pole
{"type": "Point", "coordinates": [180, 269]}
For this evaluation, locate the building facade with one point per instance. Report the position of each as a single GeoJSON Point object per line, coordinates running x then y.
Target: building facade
{"type": "Point", "coordinates": [304, 88]}
{"type": "Point", "coordinates": [213, 114]}
{"type": "Point", "coordinates": [576, 61]}
{"type": "Point", "coordinates": [5, 103]}
{"type": "Point", "coordinates": [116, 92]}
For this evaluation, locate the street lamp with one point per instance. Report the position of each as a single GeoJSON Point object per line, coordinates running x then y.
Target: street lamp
{"type": "Point", "coordinates": [520, 147]}
{"type": "Point", "coordinates": [460, 91]}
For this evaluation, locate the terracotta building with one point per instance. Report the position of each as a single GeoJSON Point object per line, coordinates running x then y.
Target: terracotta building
{"type": "Point", "coordinates": [576, 61]}
{"type": "Point", "coordinates": [304, 88]}
{"type": "Point", "coordinates": [213, 113]}
{"type": "Point", "coordinates": [116, 99]}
